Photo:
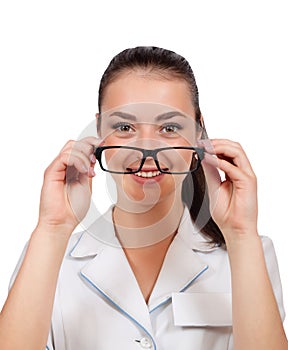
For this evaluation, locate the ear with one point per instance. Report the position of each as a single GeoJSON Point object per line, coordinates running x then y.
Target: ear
{"type": "Point", "coordinates": [202, 133]}
{"type": "Point", "coordinates": [201, 121]}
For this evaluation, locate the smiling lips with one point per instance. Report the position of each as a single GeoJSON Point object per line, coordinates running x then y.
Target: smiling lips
{"type": "Point", "coordinates": [148, 174]}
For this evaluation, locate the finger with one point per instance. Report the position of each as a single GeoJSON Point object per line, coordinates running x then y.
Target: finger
{"type": "Point", "coordinates": [230, 151]}
{"type": "Point", "coordinates": [233, 173]}
{"type": "Point", "coordinates": [86, 145]}
{"type": "Point", "coordinates": [80, 155]}
{"type": "Point", "coordinates": [72, 160]}
{"type": "Point", "coordinates": [73, 176]}
{"type": "Point", "coordinates": [83, 150]}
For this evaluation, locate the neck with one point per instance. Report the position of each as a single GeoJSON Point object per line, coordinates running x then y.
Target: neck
{"type": "Point", "coordinates": [142, 228]}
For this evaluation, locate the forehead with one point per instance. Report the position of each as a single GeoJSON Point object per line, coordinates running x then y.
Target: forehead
{"type": "Point", "coordinates": [132, 88]}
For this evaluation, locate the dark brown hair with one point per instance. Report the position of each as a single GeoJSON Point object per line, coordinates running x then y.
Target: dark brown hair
{"type": "Point", "coordinates": [170, 65]}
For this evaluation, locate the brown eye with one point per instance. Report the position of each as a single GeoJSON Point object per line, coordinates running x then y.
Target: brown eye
{"type": "Point", "coordinates": [171, 128]}
{"type": "Point", "coordinates": [123, 127]}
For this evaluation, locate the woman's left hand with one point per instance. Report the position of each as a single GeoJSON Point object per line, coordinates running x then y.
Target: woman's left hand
{"type": "Point", "coordinates": [233, 201]}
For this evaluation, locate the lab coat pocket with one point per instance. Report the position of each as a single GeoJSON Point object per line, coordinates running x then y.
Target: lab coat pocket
{"type": "Point", "coordinates": [202, 309]}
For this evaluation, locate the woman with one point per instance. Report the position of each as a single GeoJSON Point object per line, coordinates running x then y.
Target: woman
{"type": "Point", "coordinates": [156, 271]}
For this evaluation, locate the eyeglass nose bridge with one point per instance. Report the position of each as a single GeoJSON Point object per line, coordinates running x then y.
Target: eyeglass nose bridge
{"type": "Point", "coordinates": [150, 153]}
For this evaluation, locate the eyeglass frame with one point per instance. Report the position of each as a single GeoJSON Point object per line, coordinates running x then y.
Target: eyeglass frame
{"type": "Point", "coordinates": [149, 153]}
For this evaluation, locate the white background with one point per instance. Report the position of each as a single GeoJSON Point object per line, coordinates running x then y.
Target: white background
{"type": "Point", "coordinates": [53, 54]}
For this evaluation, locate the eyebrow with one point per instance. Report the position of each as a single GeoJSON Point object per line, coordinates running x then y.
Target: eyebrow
{"type": "Point", "coordinates": [160, 117]}
{"type": "Point", "coordinates": [124, 115]}
{"type": "Point", "coordinates": [169, 115]}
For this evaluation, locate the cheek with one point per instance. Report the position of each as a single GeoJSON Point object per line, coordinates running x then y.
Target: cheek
{"type": "Point", "coordinates": [189, 138]}
{"type": "Point", "coordinates": [111, 138]}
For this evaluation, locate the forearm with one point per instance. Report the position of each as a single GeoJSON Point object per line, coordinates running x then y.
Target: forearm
{"type": "Point", "coordinates": [26, 316]}
{"type": "Point", "coordinates": [256, 319]}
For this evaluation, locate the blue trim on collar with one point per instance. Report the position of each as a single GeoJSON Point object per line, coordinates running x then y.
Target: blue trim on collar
{"type": "Point", "coordinates": [182, 290]}
{"type": "Point", "coordinates": [120, 309]}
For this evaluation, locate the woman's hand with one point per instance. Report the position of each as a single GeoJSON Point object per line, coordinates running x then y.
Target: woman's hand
{"type": "Point", "coordinates": [233, 201]}
{"type": "Point", "coordinates": [256, 319]}
{"type": "Point", "coordinates": [66, 191]}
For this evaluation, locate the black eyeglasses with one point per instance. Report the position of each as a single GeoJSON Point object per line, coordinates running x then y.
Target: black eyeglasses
{"type": "Point", "coordinates": [130, 160]}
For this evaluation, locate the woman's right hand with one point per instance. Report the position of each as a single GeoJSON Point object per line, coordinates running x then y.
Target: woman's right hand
{"type": "Point", "coordinates": [67, 186]}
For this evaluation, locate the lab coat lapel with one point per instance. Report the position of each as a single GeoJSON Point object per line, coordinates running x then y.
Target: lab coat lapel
{"type": "Point", "coordinates": [182, 265]}
{"type": "Point", "coordinates": [109, 272]}
{"type": "Point", "coordinates": [180, 269]}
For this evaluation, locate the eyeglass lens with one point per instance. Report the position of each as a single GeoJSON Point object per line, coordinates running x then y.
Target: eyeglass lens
{"type": "Point", "coordinates": [127, 160]}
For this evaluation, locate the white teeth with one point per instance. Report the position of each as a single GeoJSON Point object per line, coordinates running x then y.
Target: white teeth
{"type": "Point", "coordinates": [148, 174]}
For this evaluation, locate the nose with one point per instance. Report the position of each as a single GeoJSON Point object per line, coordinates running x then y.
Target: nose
{"type": "Point", "coordinates": [148, 138]}
{"type": "Point", "coordinates": [147, 133]}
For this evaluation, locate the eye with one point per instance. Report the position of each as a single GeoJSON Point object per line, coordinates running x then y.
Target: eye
{"type": "Point", "coordinates": [123, 127]}
{"type": "Point", "coordinates": [171, 128]}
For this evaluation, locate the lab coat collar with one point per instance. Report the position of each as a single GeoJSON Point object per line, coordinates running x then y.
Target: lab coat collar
{"type": "Point", "coordinates": [96, 237]}
{"type": "Point", "coordinates": [110, 274]}
{"type": "Point", "coordinates": [102, 234]}
{"type": "Point", "coordinates": [191, 235]}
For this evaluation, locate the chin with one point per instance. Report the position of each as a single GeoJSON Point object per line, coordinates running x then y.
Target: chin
{"type": "Point", "coordinates": [144, 199]}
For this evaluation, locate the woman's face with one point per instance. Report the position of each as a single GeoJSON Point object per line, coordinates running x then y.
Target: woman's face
{"type": "Point", "coordinates": [147, 111]}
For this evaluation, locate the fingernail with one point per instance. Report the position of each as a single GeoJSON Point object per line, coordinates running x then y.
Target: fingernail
{"type": "Point", "coordinates": [92, 172]}
{"type": "Point", "coordinates": [93, 158]}
{"type": "Point", "coordinates": [84, 167]}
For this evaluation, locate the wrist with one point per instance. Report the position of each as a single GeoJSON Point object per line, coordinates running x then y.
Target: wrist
{"type": "Point", "coordinates": [245, 253]}
{"type": "Point", "coordinates": [49, 243]}
{"type": "Point", "coordinates": [56, 231]}
{"type": "Point", "coordinates": [241, 239]}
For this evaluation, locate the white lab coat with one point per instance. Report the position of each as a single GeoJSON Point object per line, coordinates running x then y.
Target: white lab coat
{"type": "Point", "coordinates": [98, 304]}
